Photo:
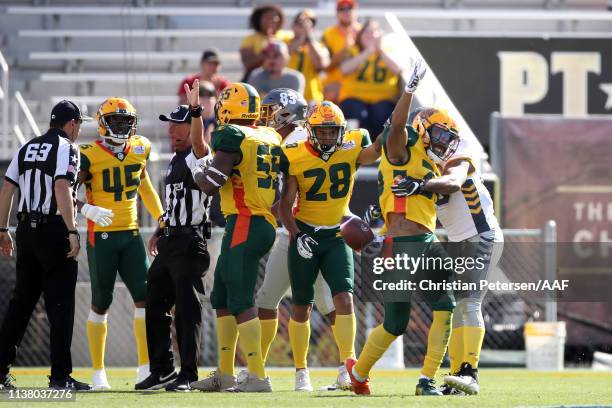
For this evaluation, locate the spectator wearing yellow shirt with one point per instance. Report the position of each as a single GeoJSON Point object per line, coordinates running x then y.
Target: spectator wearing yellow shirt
{"type": "Point", "coordinates": [371, 81]}
{"type": "Point", "coordinates": [267, 21]}
{"type": "Point", "coordinates": [307, 55]}
{"type": "Point", "coordinates": [339, 40]}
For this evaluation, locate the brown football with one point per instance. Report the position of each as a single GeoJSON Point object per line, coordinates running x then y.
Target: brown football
{"type": "Point", "coordinates": [356, 233]}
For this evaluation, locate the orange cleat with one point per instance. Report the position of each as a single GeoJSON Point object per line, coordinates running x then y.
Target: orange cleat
{"type": "Point", "coordinates": [359, 388]}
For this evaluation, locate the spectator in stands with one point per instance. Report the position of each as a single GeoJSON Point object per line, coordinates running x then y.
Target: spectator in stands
{"type": "Point", "coordinates": [339, 39]}
{"type": "Point", "coordinates": [307, 55]}
{"type": "Point", "coordinates": [274, 72]}
{"type": "Point", "coordinates": [371, 81]}
{"type": "Point", "coordinates": [210, 66]}
{"type": "Point", "coordinates": [208, 99]}
{"type": "Point", "coordinates": [267, 22]}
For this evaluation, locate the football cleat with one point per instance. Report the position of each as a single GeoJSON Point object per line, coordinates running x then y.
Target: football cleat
{"type": "Point", "coordinates": [142, 372]}
{"type": "Point", "coordinates": [242, 376]}
{"type": "Point", "coordinates": [99, 381]}
{"type": "Point", "coordinates": [466, 379]}
{"type": "Point", "coordinates": [215, 382]}
{"type": "Point", "coordinates": [179, 385]}
{"type": "Point", "coordinates": [156, 381]}
{"type": "Point", "coordinates": [343, 381]}
{"type": "Point", "coordinates": [7, 382]}
{"type": "Point", "coordinates": [302, 380]}
{"type": "Point", "coordinates": [253, 384]}
{"type": "Point", "coordinates": [446, 389]}
{"type": "Point", "coordinates": [427, 386]}
{"type": "Point", "coordinates": [68, 383]}
{"type": "Point", "coordinates": [359, 387]}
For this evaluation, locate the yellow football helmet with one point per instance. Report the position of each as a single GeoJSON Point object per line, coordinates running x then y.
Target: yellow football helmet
{"type": "Point", "coordinates": [116, 120]}
{"type": "Point", "coordinates": [325, 124]}
{"type": "Point", "coordinates": [238, 101]}
{"type": "Point", "coordinates": [439, 132]}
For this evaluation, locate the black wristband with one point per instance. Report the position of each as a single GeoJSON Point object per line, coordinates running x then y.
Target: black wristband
{"type": "Point", "coordinates": [195, 112]}
{"type": "Point", "coordinates": [73, 232]}
{"type": "Point", "coordinates": [4, 229]}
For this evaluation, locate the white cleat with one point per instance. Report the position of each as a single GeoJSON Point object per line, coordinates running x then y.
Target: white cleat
{"type": "Point", "coordinates": [465, 383]}
{"type": "Point", "coordinates": [142, 372]}
{"type": "Point", "coordinates": [215, 382]}
{"type": "Point", "coordinates": [253, 384]}
{"type": "Point", "coordinates": [343, 381]}
{"type": "Point", "coordinates": [242, 376]}
{"type": "Point", "coordinates": [99, 381]}
{"type": "Point", "coordinates": [302, 380]}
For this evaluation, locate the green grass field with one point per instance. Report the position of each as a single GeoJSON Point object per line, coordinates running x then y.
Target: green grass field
{"type": "Point", "coordinates": [390, 388]}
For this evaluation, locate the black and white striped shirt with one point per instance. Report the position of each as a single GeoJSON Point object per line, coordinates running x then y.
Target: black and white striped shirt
{"type": "Point", "coordinates": [37, 165]}
{"type": "Point", "coordinates": [185, 203]}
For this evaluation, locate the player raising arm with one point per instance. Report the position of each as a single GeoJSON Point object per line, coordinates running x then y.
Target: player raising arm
{"type": "Point", "coordinates": [465, 210]}
{"type": "Point", "coordinates": [244, 170]}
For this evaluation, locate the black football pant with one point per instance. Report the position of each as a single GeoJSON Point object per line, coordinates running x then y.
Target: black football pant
{"type": "Point", "coordinates": [175, 279]}
{"type": "Point", "coordinates": [42, 268]}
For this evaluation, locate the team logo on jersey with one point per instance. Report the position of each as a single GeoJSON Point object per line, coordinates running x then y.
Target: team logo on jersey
{"type": "Point", "coordinates": [347, 145]}
{"type": "Point", "coordinates": [139, 149]}
{"type": "Point", "coordinates": [104, 235]}
{"type": "Point", "coordinates": [120, 156]}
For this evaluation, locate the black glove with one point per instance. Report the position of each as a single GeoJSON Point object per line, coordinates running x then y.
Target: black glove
{"type": "Point", "coordinates": [407, 186]}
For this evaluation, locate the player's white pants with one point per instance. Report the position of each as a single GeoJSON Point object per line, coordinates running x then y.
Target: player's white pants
{"type": "Point", "coordinates": [276, 281]}
{"type": "Point", "coordinates": [490, 245]}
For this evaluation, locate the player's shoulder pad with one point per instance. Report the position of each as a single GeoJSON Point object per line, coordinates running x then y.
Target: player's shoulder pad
{"type": "Point", "coordinates": [85, 146]}
{"type": "Point", "coordinates": [227, 138]}
{"type": "Point", "coordinates": [140, 145]}
{"type": "Point", "coordinates": [356, 137]}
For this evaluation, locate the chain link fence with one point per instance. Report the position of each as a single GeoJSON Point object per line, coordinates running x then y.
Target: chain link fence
{"type": "Point", "coordinates": [504, 313]}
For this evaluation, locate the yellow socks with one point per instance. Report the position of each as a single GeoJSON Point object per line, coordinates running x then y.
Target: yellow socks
{"type": "Point", "coordinates": [437, 340]}
{"type": "Point", "coordinates": [346, 328]}
{"type": "Point", "coordinates": [227, 336]}
{"type": "Point", "coordinates": [472, 343]}
{"type": "Point", "coordinates": [250, 343]}
{"type": "Point", "coordinates": [140, 333]}
{"type": "Point", "coordinates": [268, 333]}
{"type": "Point", "coordinates": [96, 335]}
{"type": "Point", "coordinates": [455, 349]}
{"type": "Point", "coordinates": [378, 342]}
{"type": "Point", "coordinates": [299, 337]}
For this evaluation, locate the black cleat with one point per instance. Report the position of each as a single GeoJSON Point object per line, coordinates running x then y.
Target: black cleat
{"type": "Point", "coordinates": [6, 382]}
{"type": "Point", "coordinates": [179, 385]}
{"type": "Point", "coordinates": [156, 381]}
{"type": "Point", "coordinates": [68, 383]}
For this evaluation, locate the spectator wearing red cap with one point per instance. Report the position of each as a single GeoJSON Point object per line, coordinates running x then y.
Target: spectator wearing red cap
{"type": "Point", "coordinates": [210, 66]}
{"type": "Point", "coordinates": [274, 72]}
{"type": "Point", "coordinates": [371, 81]}
{"type": "Point", "coordinates": [339, 39]}
{"type": "Point", "coordinates": [307, 55]}
{"type": "Point", "coordinates": [267, 22]}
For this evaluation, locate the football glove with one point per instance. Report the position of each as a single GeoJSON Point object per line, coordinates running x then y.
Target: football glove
{"type": "Point", "coordinates": [201, 165]}
{"type": "Point", "coordinates": [418, 73]}
{"type": "Point", "coordinates": [407, 186]}
{"type": "Point", "coordinates": [372, 214]}
{"type": "Point", "coordinates": [305, 244]}
{"type": "Point", "coordinates": [99, 215]}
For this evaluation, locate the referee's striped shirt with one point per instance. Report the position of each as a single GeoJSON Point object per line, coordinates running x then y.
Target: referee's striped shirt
{"type": "Point", "coordinates": [36, 167]}
{"type": "Point", "coordinates": [186, 204]}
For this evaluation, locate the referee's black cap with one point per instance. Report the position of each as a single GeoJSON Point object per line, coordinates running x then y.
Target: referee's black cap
{"type": "Point", "coordinates": [180, 114]}
{"type": "Point", "coordinates": [66, 111]}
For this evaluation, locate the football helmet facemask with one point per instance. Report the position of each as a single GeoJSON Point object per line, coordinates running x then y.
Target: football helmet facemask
{"type": "Point", "coordinates": [116, 120]}
{"type": "Point", "coordinates": [439, 132]}
{"type": "Point", "coordinates": [325, 125]}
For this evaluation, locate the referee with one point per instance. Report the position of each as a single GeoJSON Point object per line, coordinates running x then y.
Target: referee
{"type": "Point", "coordinates": [175, 276]}
{"type": "Point", "coordinates": [44, 171]}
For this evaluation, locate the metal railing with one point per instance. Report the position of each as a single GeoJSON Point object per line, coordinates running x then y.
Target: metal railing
{"type": "Point", "coordinates": [4, 100]}
{"type": "Point", "coordinates": [22, 106]}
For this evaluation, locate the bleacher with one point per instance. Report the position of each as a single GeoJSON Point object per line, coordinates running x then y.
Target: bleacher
{"type": "Point", "coordinates": [142, 48]}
